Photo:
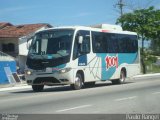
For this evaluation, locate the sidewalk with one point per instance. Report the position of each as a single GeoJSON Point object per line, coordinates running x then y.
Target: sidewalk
{"type": "Point", "coordinates": [147, 75]}
{"type": "Point", "coordinates": [4, 87]}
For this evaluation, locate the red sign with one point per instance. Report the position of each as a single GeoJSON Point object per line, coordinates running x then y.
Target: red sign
{"type": "Point", "coordinates": [111, 61]}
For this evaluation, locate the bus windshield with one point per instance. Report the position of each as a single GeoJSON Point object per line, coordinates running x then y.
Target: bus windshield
{"type": "Point", "coordinates": [51, 44]}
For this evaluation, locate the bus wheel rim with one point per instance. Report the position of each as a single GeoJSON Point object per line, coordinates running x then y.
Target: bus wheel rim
{"type": "Point", "coordinates": [122, 77]}
{"type": "Point", "coordinates": [77, 81]}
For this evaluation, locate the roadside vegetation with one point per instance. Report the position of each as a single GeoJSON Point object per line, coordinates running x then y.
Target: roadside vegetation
{"type": "Point", "coordinates": [152, 61]}
{"type": "Point", "coordinates": [146, 23]}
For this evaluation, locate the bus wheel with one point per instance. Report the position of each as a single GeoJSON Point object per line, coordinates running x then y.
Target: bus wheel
{"type": "Point", "coordinates": [37, 88]}
{"type": "Point", "coordinates": [122, 78]}
{"type": "Point", "coordinates": [78, 82]}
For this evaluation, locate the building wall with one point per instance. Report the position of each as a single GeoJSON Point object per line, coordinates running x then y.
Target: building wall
{"type": "Point", "coordinates": [23, 49]}
{"type": "Point", "coordinates": [22, 62]}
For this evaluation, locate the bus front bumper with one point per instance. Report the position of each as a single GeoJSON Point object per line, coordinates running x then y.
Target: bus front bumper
{"type": "Point", "coordinates": [44, 78]}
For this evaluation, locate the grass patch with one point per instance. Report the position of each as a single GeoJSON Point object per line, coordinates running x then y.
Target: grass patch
{"type": "Point", "coordinates": [151, 68]}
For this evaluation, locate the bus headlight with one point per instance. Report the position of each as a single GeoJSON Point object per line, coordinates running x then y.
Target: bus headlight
{"type": "Point", "coordinates": [28, 72]}
{"type": "Point", "coordinates": [64, 70]}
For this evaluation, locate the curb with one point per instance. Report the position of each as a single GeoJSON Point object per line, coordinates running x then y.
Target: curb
{"type": "Point", "coordinates": [147, 75]}
{"type": "Point", "coordinates": [13, 87]}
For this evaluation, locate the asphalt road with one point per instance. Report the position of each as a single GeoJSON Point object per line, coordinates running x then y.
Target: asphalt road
{"type": "Point", "coordinates": [136, 96]}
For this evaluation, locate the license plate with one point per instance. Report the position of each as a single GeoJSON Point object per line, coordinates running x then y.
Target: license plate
{"type": "Point", "coordinates": [49, 70]}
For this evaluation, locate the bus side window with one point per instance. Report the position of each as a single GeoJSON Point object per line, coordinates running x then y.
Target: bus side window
{"type": "Point", "coordinates": [99, 42]}
{"type": "Point", "coordinates": [84, 47]}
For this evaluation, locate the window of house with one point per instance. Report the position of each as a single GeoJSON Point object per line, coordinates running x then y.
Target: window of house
{"type": "Point", "coordinates": [10, 47]}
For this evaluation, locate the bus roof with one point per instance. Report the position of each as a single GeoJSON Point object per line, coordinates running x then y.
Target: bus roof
{"type": "Point", "coordinates": [109, 30]}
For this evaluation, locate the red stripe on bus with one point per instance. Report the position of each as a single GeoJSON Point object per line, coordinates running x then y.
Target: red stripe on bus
{"type": "Point", "coordinates": [105, 30]}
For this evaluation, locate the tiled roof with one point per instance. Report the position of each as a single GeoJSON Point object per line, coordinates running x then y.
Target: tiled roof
{"type": "Point", "coordinates": [4, 24]}
{"type": "Point", "coordinates": [20, 30]}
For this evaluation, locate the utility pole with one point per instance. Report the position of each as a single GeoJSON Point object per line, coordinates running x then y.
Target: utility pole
{"type": "Point", "coordinates": [120, 5]}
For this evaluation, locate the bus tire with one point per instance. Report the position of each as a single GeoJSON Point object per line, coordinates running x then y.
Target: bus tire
{"type": "Point", "coordinates": [78, 82]}
{"type": "Point", "coordinates": [37, 88]}
{"type": "Point", "coordinates": [122, 78]}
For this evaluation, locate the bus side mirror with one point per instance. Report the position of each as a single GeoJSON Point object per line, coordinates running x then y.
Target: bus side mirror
{"type": "Point", "coordinates": [80, 39]}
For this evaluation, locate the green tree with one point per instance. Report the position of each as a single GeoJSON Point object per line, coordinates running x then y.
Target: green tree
{"type": "Point", "coordinates": [142, 21]}
{"type": "Point", "coordinates": [155, 34]}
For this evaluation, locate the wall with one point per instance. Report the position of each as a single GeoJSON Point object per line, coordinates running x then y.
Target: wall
{"type": "Point", "coordinates": [3, 77]}
{"type": "Point", "coordinates": [23, 50]}
{"type": "Point", "coordinates": [22, 62]}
